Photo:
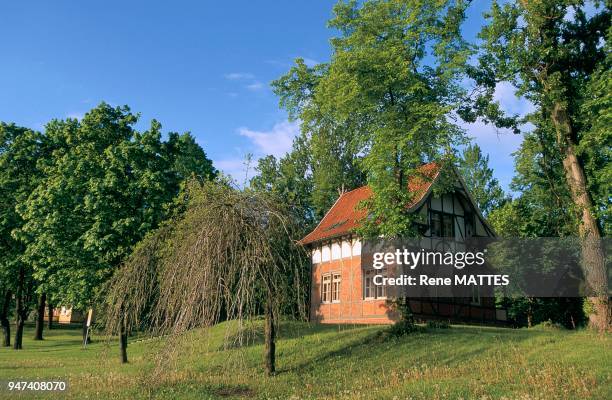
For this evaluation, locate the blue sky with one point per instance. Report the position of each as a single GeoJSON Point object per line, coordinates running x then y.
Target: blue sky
{"type": "Point", "coordinates": [199, 66]}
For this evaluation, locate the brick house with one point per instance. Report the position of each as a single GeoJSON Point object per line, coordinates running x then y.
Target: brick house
{"type": "Point", "coordinates": [342, 291]}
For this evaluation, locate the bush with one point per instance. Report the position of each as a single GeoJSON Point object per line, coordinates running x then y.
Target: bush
{"type": "Point", "coordinates": [436, 324]}
{"type": "Point", "coordinates": [549, 325]}
{"type": "Point", "coordinates": [401, 328]}
{"type": "Point", "coordinates": [405, 324]}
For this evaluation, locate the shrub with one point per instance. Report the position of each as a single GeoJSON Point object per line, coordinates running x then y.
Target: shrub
{"type": "Point", "coordinates": [438, 324]}
{"type": "Point", "coordinates": [549, 325]}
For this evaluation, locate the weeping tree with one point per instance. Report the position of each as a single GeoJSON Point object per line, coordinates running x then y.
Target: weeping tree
{"type": "Point", "coordinates": [230, 255]}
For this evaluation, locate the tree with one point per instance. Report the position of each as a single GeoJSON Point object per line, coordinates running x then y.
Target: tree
{"type": "Point", "coordinates": [21, 149]}
{"type": "Point", "coordinates": [541, 209]}
{"type": "Point", "coordinates": [104, 187]}
{"type": "Point", "coordinates": [485, 189]}
{"type": "Point", "coordinates": [289, 179]}
{"type": "Point", "coordinates": [388, 91]}
{"type": "Point", "coordinates": [211, 262]}
{"type": "Point", "coordinates": [553, 54]}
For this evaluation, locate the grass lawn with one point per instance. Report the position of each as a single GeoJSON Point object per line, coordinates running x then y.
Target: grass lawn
{"type": "Point", "coordinates": [314, 361]}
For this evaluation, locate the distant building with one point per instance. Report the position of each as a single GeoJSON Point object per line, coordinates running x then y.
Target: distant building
{"type": "Point", "coordinates": [66, 315]}
{"type": "Point", "coordinates": [342, 289]}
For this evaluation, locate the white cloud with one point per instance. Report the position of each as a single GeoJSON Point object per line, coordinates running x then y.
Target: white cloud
{"type": "Point", "coordinates": [499, 144]}
{"type": "Point", "coordinates": [235, 167]}
{"type": "Point", "coordinates": [255, 86]}
{"type": "Point", "coordinates": [504, 93]}
{"type": "Point", "coordinates": [277, 141]}
{"type": "Point", "coordinates": [234, 76]}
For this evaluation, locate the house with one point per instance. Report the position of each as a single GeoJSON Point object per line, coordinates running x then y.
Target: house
{"type": "Point", "coordinates": [343, 290]}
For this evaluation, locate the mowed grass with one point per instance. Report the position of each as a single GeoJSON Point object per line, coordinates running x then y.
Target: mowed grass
{"type": "Point", "coordinates": [325, 362]}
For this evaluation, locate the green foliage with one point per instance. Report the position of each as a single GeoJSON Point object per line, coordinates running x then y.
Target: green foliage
{"type": "Point", "coordinates": [559, 59]}
{"type": "Point", "coordinates": [438, 324]}
{"type": "Point", "coordinates": [21, 153]}
{"type": "Point", "coordinates": [567, 312]}
{"type": "Point", "coordinates": [103, 186]}
{"type": "Point", "coordinates": [289, 180]}
{"type": "Point", "coordinates": [548, 325]}
{"type": "Point", "coordinates": [380, 108]}
{"type": "Point", "coordinates": [484, 188]}
{"type": "Point", "coordinates": [405, 323]}
{"type": "Point", "coordinates": [226, 256]}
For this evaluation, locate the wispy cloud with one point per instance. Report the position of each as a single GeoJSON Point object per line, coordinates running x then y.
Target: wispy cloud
{"type": "Point", "coordinates": [255, 86]}
{"type": "Point", "coordinates": [235, 76]}
{"type": "Point", "coordinates": [277, 141]}
{"type": "Point", "coordinates": [234, 167]}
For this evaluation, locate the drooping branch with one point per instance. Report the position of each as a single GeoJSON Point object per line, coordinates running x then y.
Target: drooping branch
{"type": "Point", "coordinates": [229, 256]}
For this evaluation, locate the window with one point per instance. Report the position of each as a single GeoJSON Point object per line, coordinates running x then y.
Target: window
{"type": "Point", "coordinates": [442, 224]}
{"type": "Point", "coordinates": [436, 224]}
{"type": "Point", "coordinates": [335, 288]}
{"type": "Point", "coordinates": [326, 289]}
{"type": "Point", "coordinates": [447, 225]}
{"type": "Point", "coordinates": [371, 290]}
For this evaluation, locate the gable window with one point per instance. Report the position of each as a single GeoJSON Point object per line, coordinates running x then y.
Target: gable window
{"type": "Point", "coordinates": [335, 296]}
{"type": "Point", "coordinates": [371, 290]}
{"type": "Point", "coordinates": [326, 289]}
{"type": "Point", "coordinates": [441, 224]}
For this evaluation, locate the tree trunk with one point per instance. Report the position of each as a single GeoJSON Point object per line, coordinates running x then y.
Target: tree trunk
{"type": "Point", "coordinates": [593, 262]}
{"type": "Point", "coordinates": [19, 323]}
{"type": "Point", "coordinates": [6, 326]}
{"type": "Point", "coordinates": [40, 317]}
{"type": "Point", "coordinates": [50, 314]}
{"type": "Point", "coordinates": [20, 311]}
{"type": "Point", "coordinates": [123, 343]}
{"type": "Point", "coordinates": [270, 336]}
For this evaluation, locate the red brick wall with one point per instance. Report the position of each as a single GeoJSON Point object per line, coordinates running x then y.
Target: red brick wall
{"type": "Point", "coordinates": [352, 308]}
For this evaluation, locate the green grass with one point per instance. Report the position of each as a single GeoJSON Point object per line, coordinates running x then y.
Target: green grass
{"type": "Point", "coordinates": [314, 361]}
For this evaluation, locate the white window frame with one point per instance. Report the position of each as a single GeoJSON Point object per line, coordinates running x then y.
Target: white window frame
{"type": "Point", "coordinates": [326, 281]}
{"type": "Point", "coordinates": [335, 288]}
{"type": "Point", "coordinates": [370, 290]}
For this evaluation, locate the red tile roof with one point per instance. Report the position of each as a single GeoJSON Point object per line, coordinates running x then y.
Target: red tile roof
{"type": "Point", "coordinates": [344, 216]}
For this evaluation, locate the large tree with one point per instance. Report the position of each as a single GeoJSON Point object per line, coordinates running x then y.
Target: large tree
{"type": "Point", "coordinates": [21, 151]}
{"type": "Point", "coordinates": [557, 57]}
{"type": "Point", "coordinates": [231, 254]}
{"type": "Point", "coordinates": [104, 187]}
{"type": "Point", "coordinates": [388, 92]}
